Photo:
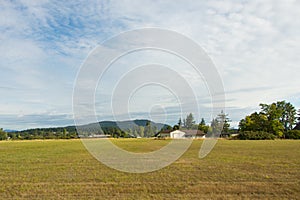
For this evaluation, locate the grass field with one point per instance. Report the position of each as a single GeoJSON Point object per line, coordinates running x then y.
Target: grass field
{"type": "Point", "coordinates": [63, 169]}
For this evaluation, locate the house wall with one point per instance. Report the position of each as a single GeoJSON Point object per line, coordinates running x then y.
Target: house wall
{"type": "Point", "coordinates": [177, 134]}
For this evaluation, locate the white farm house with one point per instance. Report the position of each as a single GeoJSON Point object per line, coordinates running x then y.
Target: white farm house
{"type": "Point", "coordinates": [177, 134]}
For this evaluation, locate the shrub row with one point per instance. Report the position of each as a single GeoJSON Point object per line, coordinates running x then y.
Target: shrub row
{"type": "Point", "coordinates": [255, 135]}
{"type": "Point", "coordinates": [293, 134]}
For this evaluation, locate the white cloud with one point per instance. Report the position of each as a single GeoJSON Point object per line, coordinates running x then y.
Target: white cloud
{"type": "Point", "coordinates": [254, 45]}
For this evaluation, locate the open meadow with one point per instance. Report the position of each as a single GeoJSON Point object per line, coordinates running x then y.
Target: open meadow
{"type": "Point", "coordinates": [63, 169]}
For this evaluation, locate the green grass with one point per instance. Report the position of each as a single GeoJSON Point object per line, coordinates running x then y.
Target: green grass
{"type": "Point", "coordinates": [63, 169]}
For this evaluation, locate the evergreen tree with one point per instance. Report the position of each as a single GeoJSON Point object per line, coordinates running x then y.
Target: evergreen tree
{"type": "Point", "coordinates": [223, 120]}
{"type": "Point", "coordinates": [189, 121]}
{"type": "Point", "coordinates": [179, 123]}
{"type": "Point", "coordinates": [215, 126]}
{"type": "Point", "coordinates": [202, 126]}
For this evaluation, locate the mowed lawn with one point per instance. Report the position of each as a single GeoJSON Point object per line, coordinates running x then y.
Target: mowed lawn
{"type": "Point", "coordinates": [63, 169]}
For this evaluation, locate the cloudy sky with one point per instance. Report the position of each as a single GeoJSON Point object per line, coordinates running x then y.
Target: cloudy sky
{"type": "Point", "coordinates": [255, 46]}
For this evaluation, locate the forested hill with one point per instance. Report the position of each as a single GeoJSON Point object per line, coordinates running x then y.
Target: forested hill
{"type": "Point", "coordinates": [129, 128]}
{"type": "Point", "coordinates": [127, 124]}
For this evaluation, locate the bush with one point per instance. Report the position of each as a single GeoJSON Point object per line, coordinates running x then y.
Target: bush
{"type": "Point", "coordinates": [3, 135]}
{"type": "Point", "coordinates": [257, 135]}
{"type": "Point", "coordinates": [293, 134]}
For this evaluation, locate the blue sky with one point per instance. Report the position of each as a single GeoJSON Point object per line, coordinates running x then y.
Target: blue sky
{"type": "Point", "coordinates": [255, 46]}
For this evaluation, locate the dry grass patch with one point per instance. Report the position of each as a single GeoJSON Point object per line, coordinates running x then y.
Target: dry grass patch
{"type": "Point", "coordinates": [63, 169]}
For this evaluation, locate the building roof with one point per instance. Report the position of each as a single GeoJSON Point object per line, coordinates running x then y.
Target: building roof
{"type": "Point", "coordinates": [193, 132]}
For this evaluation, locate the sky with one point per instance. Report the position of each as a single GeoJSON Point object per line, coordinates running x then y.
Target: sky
{"type": "Point", "coordinates": [254, 45]}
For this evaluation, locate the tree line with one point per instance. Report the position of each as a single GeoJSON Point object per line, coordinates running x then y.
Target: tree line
{"type": "Point", "coordinates": [40, 133]}
{"type": "Point", "coordinates": [275, 120]}
{"type": "Point", "coordinates": [70, 132]}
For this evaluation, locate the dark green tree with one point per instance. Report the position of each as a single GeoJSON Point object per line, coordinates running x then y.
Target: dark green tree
{"type": "Point", "coordinates": [3, 134]}
{"type": "Point", "coordinates": [179, 123]}
{"type": "Point", "coordinates": [175, 127]}
{"type": "Point", "coordinates": [189, 121]}
{"type": "Point", "coordinates": [202, 126]}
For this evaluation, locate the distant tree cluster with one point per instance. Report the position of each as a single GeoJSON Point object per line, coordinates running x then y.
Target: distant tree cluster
{"type": "Point", "coordinates": [277, 119]}
{"type": "Point", "coordinates": [149, 130]}
{"type": "Point", "coordinates": [43, 133]}
{"type": "Point", "coordinates": [220, 124]}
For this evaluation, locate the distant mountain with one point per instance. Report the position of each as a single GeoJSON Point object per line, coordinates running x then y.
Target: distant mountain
{"type": "Point", "coordinates": [129, 128]}
{"type": "Point", "coordinates": [129, 124]}
{"type": "Point", "coordinates": [9, 130]}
